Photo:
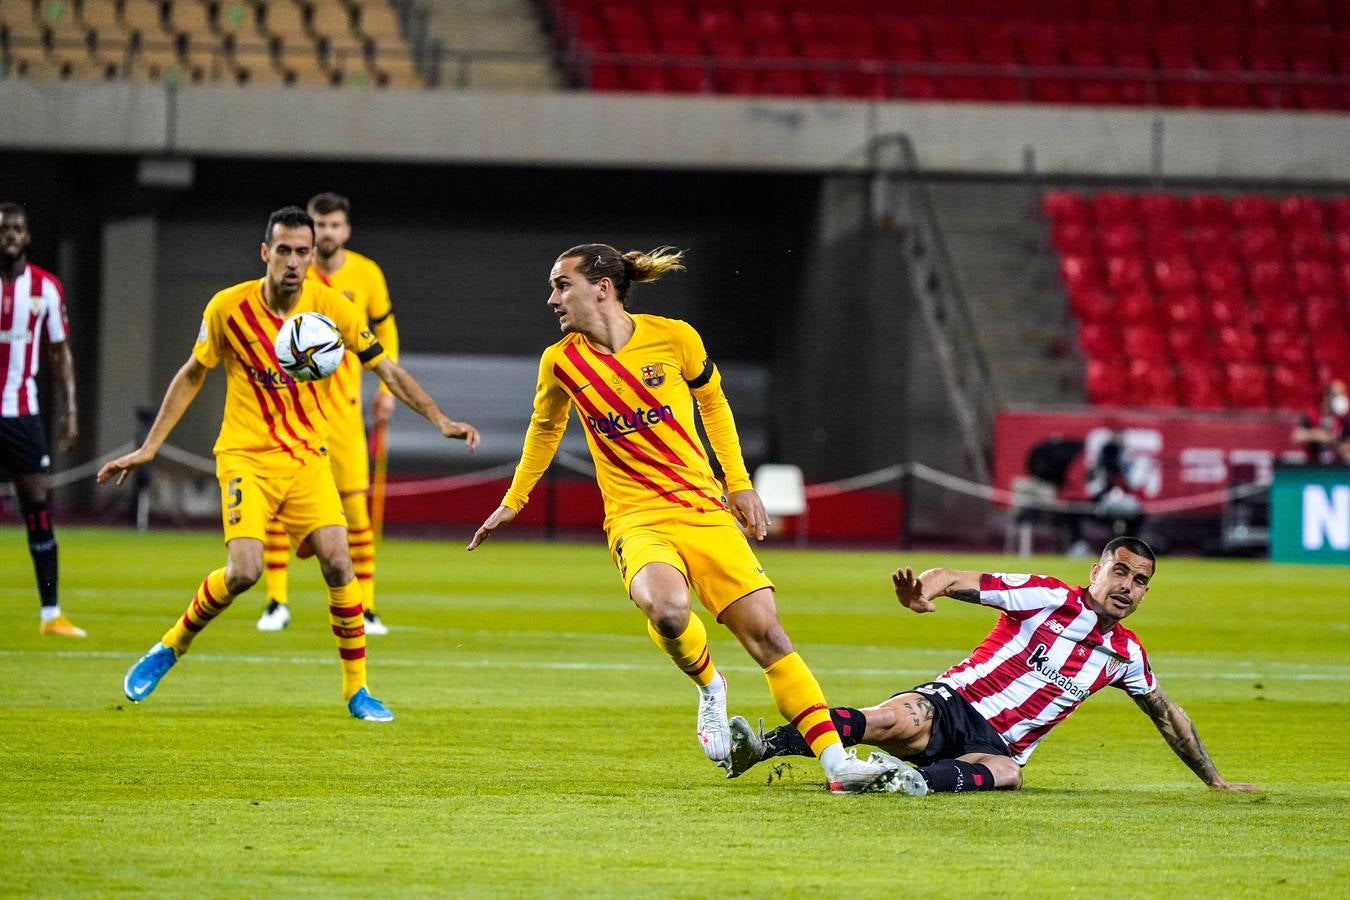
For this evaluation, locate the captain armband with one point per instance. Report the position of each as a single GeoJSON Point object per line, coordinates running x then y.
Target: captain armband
{"type": "Point", "coordinates": [705, 376]}
{"type": "Point", "coordinates": [370, 352]}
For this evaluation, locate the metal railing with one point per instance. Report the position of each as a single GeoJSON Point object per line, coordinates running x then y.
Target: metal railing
{"type": "Point", "coordinates": [900, 196]}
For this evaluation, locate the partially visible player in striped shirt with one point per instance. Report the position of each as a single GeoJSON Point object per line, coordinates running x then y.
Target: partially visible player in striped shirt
{"type": "Point", "coordinates": [32, 306]}
{"type": "Point", "coordinates": [271, 455]}
{"type": "Point", "coordinates": [1053, 647]}
{"type": "Point", "coordinates": [634, 381]}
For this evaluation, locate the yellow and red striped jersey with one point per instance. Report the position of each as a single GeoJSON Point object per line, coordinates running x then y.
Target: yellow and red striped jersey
{"type": "Point", "coordinates": [271, 419]}
{"type": "Point", "coordinates": [361, 281]}
{"type": "Point", "coordinates": [637, 406]}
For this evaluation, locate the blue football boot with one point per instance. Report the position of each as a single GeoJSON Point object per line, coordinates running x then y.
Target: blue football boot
{"type": "Point", "coordinates": [144, 676]}
{"type": "Point", "coordinates": [366, 708]}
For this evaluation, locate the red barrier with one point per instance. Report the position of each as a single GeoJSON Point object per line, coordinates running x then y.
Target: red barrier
{"type": "Point", "coordinates": [1171, 453]}
{"type": "Point", "coordinates": [575, 504]}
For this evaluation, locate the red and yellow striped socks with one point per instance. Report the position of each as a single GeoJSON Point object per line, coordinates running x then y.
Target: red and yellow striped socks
{"type": "Point", "coordinates": [361, 545]}
{"type": "Point", "coordinates": [799, 698]}
{"type": "Point", "coordinates": [349, 627]}
{"type": "Point", "coordinates": [689, 651]}
{"type": "Point", "coordinates": [210, 601]}
{"type": "Point", "coordinates": [276, 556]}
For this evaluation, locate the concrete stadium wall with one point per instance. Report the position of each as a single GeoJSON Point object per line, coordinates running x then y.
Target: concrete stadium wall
{"type": "Point", "coordinates": [571, 129]}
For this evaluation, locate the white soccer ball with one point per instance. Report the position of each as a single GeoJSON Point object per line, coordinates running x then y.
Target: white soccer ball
{"type": "Point", "coordinates": [309, 346]}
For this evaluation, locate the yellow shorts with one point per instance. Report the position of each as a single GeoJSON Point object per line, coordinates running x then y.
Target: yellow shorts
{"type": "Point", "coordinates": [714, 558]}
{"type": "Point", "coordinates": [303, 501]}
{"type": "Point", "coordinates": [350, 457]}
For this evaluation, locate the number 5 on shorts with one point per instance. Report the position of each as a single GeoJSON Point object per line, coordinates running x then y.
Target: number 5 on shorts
{"type": "Point", "coordinates": [233, 493]}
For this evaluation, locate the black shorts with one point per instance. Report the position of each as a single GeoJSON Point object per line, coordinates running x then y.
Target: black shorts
{"type": "Point", "coordinates": [23, 446]}
{"type": "Point", "coordinates": [957, 727]}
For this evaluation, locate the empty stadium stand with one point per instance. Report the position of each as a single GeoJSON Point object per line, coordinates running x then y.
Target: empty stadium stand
{"type": "Point", "coordinates": [1292, 54]}
{"type": "Point", "coordinates": [1206, 301]}
{"type": "Point", "coordinates": [302, 42]}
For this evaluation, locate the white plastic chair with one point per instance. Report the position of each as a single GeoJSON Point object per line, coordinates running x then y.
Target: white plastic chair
{"type": "Point", "coordinates": [783, 492]}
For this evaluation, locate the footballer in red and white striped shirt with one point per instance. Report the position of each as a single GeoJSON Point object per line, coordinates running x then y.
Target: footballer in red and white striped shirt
{"type": "Point", "coordinates": [31, 307]}
{"type": "Point", "coordinates": [975, 726]}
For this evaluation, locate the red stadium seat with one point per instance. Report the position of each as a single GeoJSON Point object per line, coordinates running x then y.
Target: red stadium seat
{"type": "Point", "coordinates": [1157, 209]}
{"type": "Point", "coordinates": [1092, 305]}
{"type": "Point", "coordinates": [1219, 274]}
{"type": "Point", "coordinates": [1129, 45]}
{"type": "Point", "coordinates": [1237, 345]}
{"type": "Point", "coordinates": [1126, 273]}
{"type": "Point", "coordinates": [1183, 311]}
{"type": "Point", "coordinates": [1285, 348]}
{"type": "Point", "coordinates": [1136, 307]}
{"type": "Point", "coordinates": [1337, 209]}
{"type": "Point", "coordinates": [1300, 211]}
{"type": "Point", "coordinates": [1072, 238]}
{"type": "Point", "coordinates": [1253, 209]}
{"type": "Point", "coordinates": [1201, 385]}
{"type": "Point", "coordinates": [1097, 340]}
{"type": "Point", "coordinates": [1209, 241]}
{"type": "Point", "coordinates": [1113, 206]}
{"type": "Point", "coordinates": [901, 39]}
{"type": "Point", "coordinates": [1229, 309]}
{"type": "Point", "coordinates": [1166, 239]}
{"type": "Point", "coordinates": [1312, 276]}
{"type": "Point", "coordinates": [1277, 312]}
{"type": "Point", "coordinates": [1208, 209]}
{"type": "Point", "coordinates": [1189, 344]}
{"type": "Point", "coordinates": [1145, 342]}
{"type": "Point", "coordinates": [1079, 271]}
{"type": "Point", "coordinates": [1117, 238]}
{"type": "Point", "coordinates": [1309, 243]}
{"type": "Point", "coordinates": [1106, 383]}
{"type": "Point", "coordinates": [1247, 386]}
{"type": "Point", "coordinates": [1067, 206]}
{"type": "Point", "coordinates": [948, 41]}
{"type": "Point", "coordinates": [1042, 45]}
{"type": "Point", "coordinates": [1152, 383]}
{"type": "Point", "coordinates": [1258, 242]}
{"type": "Point", "coordinates": [1323, 312]}
{"type": "Point", "coordinates": [1292, 387]}
{"type": "Point", "coordinates": [1268, 276]}
{"type": "Point", "coordinates": [1331, 348]}
{"type": "Point", "coordinates": [1174, 275]}
{"type": "Point", "coordinates": [1340, 245]}
{"type": "Point", "coordinates": [1344, 280]}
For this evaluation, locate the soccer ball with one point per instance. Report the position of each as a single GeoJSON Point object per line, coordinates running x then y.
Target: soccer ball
{"type": "Point", "coordinates": [309, 346]}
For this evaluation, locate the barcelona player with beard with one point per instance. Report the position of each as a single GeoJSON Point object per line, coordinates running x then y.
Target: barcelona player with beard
{"type": "Point", "coordinates": [271, 455]}
{"type": "Point", "coordinates": [634, 381]}
{"type": "Point", "coordinates": [362, 282]}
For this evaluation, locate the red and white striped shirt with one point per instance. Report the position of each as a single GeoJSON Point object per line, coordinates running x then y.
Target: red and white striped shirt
{"type": "Point", "coordinates": [29, 304]}
{"type": "Point", "coordinates": [1044, 658]}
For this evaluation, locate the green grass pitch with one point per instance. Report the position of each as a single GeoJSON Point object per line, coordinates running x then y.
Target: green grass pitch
{"type": "Point", "coordinates": [544, 747]}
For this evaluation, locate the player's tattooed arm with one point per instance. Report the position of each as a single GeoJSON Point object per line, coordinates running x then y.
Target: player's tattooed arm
{"type": "Point", "coordinates": [917, 592]}
{"type": "Point", "coordinates": [1179, 732]}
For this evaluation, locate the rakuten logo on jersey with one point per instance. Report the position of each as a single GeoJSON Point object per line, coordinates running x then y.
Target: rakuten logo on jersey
{"type": "Point", "coordinates": [616, 425]}
{"type": "Point", "coordinates": [269, 379]}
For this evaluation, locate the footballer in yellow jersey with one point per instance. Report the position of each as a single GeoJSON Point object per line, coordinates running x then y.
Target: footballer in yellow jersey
{"type": "Point", "coordinates": [271, 455]}
{"type": "Point", "coordinates": [634, 382]}
{"type": "Point", "coordinates": [362, 282]}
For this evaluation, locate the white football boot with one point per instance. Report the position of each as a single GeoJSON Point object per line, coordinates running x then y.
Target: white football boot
{"type": "Point", "coordinates": [858, 776]}
{"type": "Point", "coordinates": [714, 734]}
{"type": "Point", "coordinates": [275, 617]}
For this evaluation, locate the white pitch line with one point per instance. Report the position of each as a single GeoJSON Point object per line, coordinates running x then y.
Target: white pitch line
{"type": "Point", "coordinates": [565, 666]}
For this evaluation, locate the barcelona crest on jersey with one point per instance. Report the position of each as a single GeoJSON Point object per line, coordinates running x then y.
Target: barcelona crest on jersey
{"type": "Point", "coordinates": [654, 375]}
